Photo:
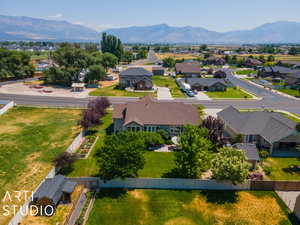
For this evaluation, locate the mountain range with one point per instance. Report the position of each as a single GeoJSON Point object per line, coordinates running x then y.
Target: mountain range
{"type": "Point", "coordinates": [27, 28]}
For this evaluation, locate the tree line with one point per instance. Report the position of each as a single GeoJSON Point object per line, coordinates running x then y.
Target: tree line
{"type": "Point", "coordinates": [15, 65]}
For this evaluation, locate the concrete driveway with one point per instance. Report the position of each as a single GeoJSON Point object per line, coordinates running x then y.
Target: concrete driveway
{"type": "Point", "coordinates": [163, 93]}
{"type": "Point", "coordinates": [202, 96]}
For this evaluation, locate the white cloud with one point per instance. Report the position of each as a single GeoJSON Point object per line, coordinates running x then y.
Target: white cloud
{"type": "Point", "coordinates": [56, 16]}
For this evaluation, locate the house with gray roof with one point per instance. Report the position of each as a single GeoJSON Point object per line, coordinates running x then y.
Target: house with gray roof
{"type": "Point", "coordinates": [53, 190]}
{"type": "Point", "coordinates": [275, 71]}
{"type": "Point", "coordinates": [207, 84]}
{"type": "Point", "coordinates": [251, 152]}
{"type": "Point", "coordinates": [136, 78]}
{"type": "Point", "coordinates": [148, 114]}
{"type": "Point", "coordinates": [266, 129]}
{"type": "Point", "coordinates": [188, 69]}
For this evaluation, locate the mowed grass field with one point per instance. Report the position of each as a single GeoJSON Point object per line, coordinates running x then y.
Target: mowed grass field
{"type": "Point", "coordinates": [170, 207]}
{"type": "Point", "coordinates": [167, 81]}
{"type": "Point", "coordinates": [29, 139]}
{"type": "Point", "coordinates": [229, 93]}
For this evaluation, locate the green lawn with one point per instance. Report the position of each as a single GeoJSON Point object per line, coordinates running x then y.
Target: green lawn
{"type": "Point", "coordinates": [29, 139]}
{"type": "Point", "coordinates": [89, 167]}
{"type": "Point", "coordinates": [229, 93]}
{"type": "Point", "coordinates": [289, 91]}
{"type": "Point", "coordinates": [167, 81]}
{"type": "Point", "coordinates": [245, 72]}
{"type": "Point", "coordinates": [170, 207]}
{"type": "Point", "coordinates": [113, 91]}
{"type": "Point", "coordinates": [280, 168]}
{"type": "Point", "coordinates": [157, 164]}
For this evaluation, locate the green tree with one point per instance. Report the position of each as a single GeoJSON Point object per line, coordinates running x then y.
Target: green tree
{"type": "Point", "coordinates": [271, 58]}
{"type": "Point", "coordinates": [169, 62]}
{"type": "Point", "coordinates": [109, 60]}
{"type": "Point", "coordinates": [112, 44]}
{"type": "Point", "coordinates": [230, 165]}
{"type": "Point", "coordinates": [203, 47]}
{"type": "Point", "coordinates": [121, 156]}
{"type": "Point", "coordinates": [142, 54]}
{"type": "Point", "coordinates": [95, 73]}
{"type": "Point", "coordinates": [127, 57]}
{"type": "Point", "coordinates": [294, 51]}
{"type": "Point", "coordinates": [194, 154]}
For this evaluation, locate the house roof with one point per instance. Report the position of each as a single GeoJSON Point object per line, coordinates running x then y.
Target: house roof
{"type": "Point", "coordinates": [205, 81]}
{"type": "Point", "coordinates": [250, 150]}
{"type": "Point", "coordinates": [278, 69]}
{"type": "Point", "coordinates": [148, 111]}
{"type": "Point", "coordinates": [253, 61]}
{"type": "Point", "coordinates": [188, 67]}
{"type": "Point", "coordinates": [136, 71]}
{"type": "Point", "coordinates": [53, 188]}
{"type": "Point", "coordinates": [294, 63]}
{"type": "Point", "coordinates": [270, 125]}
{"type": "Point", "coordinates": [157, 68]}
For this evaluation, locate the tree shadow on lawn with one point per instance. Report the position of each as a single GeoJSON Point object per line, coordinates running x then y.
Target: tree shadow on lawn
{"type": "Point", "coordinates": [112, 193]}
{"type": "Point", "coordinates": [220, 197]}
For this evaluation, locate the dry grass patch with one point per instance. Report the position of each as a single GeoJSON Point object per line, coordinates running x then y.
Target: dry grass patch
{"type": "Point", "coordinates": [248, 209]}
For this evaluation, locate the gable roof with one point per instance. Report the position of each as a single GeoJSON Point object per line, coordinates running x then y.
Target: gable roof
{"type": "Point", "coordinates": [188, 67]}
{"type": "Point", "coordinates": [53, 188]}
{"type": "Point", "coordinates": [250, 150]}
{"type": "Point", "coordinates": [278, 69]}
{"type": "Point", "coordinates": [205, 81]}
{"type": "Point", "coordinates": [136, 71]}
{"type": "Point", "coordinates": [148, 111]}
{"type": "Point", "coordinates": [270, 125]}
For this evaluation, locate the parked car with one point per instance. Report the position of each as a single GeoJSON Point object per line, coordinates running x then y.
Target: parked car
{"type": "Point", "coordinates": [190, 93]}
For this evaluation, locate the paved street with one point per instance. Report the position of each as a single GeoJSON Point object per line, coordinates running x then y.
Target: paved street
{"type": "Point", "coordinates": [270, 99]}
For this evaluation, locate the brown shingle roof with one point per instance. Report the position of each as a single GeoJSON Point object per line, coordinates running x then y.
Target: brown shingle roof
{"type": "Point", "coordinates": [192, 67]}
{"type": "Point", "coordinates": [151, 112]}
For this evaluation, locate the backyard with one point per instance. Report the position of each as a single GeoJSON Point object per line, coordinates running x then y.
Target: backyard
{"type": "Point", "coordinates": [167, 81]}
{"type": "Point", "coordinates": [29, 139]}
{"type": "Point", "coordinates": [170, 207]}
{"type": "Point", "coordinates": [114, 91]}
{"type": "Point", "coordinates": [229, 93]}
{"type": "Point", "coordinates": [280, 168]}
{"type": "Point", "coordinates": [245, 72]}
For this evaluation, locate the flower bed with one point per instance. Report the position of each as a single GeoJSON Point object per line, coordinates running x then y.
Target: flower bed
{"type": "Point", "coordinates": [86, 146]}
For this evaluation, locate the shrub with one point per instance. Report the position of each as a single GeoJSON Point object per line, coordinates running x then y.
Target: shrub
{"type": "Point", "coordinates": [268, 170]}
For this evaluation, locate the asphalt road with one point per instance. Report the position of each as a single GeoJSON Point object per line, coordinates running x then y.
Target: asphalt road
{"type": "Point", "coordinates": [152, 58]}
{"type": "Point", "coordinates": [269, 99]}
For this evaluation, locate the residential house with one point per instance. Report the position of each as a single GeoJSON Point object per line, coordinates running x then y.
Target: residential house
{"type": "Point", "coordinates": [150, 115]}
{"type": "Point", "coordinates": [266, 129]}
{"type": "Point", "coordinates": [274, 71]}
{"type": "Point", "coordinates": [213, 60]}
{"type": "Point", "coordinates": [160, 71]}
{"type": "Point", "coordinates": [293, 80]}
{"type": "Point", "coordinates": [137, 78]}
{"type": "Point", "coordinates": [220, 74]}
{"type": "Point", "coordinates": [251, 153]}
{"type": "Point", "coordinates": [207, 84]}
{"type": "Point", "coordinates": [289, 63]}
{"type": "Point", "coordinates": [188, 69]}
{"type": "Point", "coordinates": [250, 62]}
{"type": "Point", "coordinates": [54, 190]}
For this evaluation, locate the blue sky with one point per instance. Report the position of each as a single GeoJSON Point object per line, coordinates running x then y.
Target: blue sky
{"type": "Point", "coordinates": [217, 15]}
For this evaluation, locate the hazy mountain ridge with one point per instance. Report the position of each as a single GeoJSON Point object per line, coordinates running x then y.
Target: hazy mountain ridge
{"type": "Point", "coordinates": [27, 28]}
{"type": "Point", "coordinates": [278, 32]}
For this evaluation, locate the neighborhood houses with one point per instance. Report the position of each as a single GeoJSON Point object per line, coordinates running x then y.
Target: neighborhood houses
{"type": "Point", "coordinates": [119, 133]}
